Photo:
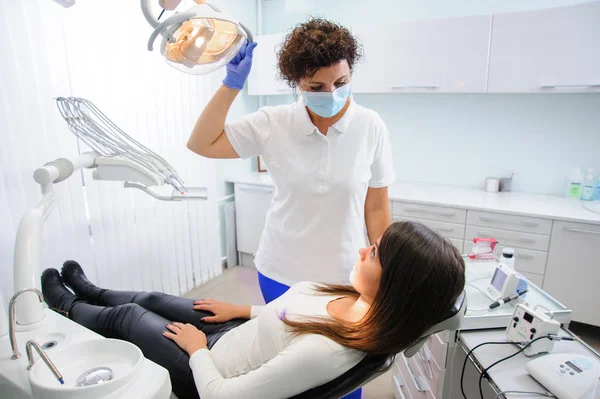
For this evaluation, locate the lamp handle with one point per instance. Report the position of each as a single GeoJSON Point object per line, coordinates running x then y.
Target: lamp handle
{"type": "Point", "coordinates": [248, 33]}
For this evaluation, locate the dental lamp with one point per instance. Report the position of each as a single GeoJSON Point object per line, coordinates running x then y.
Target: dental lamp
{"type": "Point", "coordinates": [197, 41]}
{"type": "Point", "coordinates": [115, 156]}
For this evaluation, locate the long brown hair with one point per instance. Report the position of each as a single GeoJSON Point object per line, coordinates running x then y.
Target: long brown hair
{"type": "Point", "coordinates": [422, 275]}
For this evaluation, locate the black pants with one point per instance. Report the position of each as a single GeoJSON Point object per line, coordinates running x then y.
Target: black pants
{"type": "Point", "coordinates": [140, 318]}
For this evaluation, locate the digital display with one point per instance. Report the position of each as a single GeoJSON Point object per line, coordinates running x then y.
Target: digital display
{"type": "Point", "coordinates": [498, 280]}
{"type": "Point", "coordinates": [528, 317]}
{"type": "Point", "coordinates": [574, 367]}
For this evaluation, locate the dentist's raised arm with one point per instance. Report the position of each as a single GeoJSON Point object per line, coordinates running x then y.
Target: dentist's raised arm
{"type": "Point", "coordinates": [208, 137]}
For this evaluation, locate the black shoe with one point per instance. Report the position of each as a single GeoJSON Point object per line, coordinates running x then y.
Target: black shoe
{"type": "Point", "coordinates": [74, 277]}
{"type": "Point", "coordinates": [56, 295]}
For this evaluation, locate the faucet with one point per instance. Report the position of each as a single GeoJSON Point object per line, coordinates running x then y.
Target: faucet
{"type": "Point", "coordinates": [12, 319]}
{"type": "Point", "coordinates": [33, 344]}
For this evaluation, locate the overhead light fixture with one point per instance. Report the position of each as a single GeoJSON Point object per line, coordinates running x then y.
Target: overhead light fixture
{"type": "Point", "coordinates": [197, 41]}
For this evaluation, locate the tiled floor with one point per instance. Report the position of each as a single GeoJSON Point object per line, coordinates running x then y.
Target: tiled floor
{"type": "Point", "coordinates": [240, 285]}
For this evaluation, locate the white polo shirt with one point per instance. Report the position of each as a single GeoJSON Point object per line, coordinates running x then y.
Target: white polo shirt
{"type": "Point", "coordinates": [316, 222]}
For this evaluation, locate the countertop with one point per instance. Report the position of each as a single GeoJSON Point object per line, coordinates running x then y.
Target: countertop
{"type": "Point", "coordinates": [511, 374]}
{"type": "Point", "coordinates": [533, 205]}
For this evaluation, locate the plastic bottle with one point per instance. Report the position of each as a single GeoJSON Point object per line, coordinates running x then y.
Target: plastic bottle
{"type": "Point", "coordinates": [597, 189]}
{"type": "Point", "coordinates": [587, 193]}
{"type": "Point", "coordinates": [508, 257]}
{"type": "Point", "coordinates": [575, 183]}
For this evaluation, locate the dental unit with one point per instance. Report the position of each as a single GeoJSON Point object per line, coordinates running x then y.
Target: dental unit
{"type": "Point", "coordinates": [115, 156]}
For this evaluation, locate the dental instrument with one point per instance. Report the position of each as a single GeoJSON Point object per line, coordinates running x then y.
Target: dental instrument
{"type": "Point", "coordinates": [199, 40]}
{"type": "Point", "coordinates": [505, 282]}
{"type": "Point", "coordinates": [567, 375]}
{"type": "Point", "coordinates": [116, 156]}
{"type": "Point", "coordinates": [509, 298]}
{"type": "Point", "coordinates": [12, 321]}
{"type": "Point", "coordinates": [528, 324]}
{"type": "Point", "coordinates": [33, 344]}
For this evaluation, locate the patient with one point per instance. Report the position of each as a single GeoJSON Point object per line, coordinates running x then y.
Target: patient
{"type": "Point", "coordinates": [310, 335]}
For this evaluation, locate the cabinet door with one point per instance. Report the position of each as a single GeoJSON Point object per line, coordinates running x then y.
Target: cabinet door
{"type": "Point", "coordinates": [263, 75]}
{"type": "Point", "coordinates": [573, 273]}
{"type": "Point", "coordinates": [444, 55]}
{"type": "Point", "coordinates": [251, 206]}
{"type": "Point", "coordinates": [546, 51]}
{"type": "Point", "coordinates": [367, 76]}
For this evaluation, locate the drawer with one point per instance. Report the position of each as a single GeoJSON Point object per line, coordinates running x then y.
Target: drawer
{"type": "Point", "coordinates": [510, 222]}
{"type": "Point", "coordinates": [445, 229]}
{"type": "Point", "coordinates": [399, 387]}
{"type": "Point", "coordinates": [536, 279]}
{"type": "Point", "coordinates": [438, 350]}
{"type": "Point", "coordinates": [431, 212]}
{"type": "Point", "coordinates": [528, 260]}
{"type": "Point", "coordinates": [509, 238]}
{"type": "Point", "coordinates": [459, 244]}
{"type": "Point", "coordinates": [416, 382]}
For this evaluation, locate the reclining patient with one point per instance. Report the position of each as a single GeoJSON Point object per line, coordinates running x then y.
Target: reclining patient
{"type": "Point", "coordinates": [310, 335]}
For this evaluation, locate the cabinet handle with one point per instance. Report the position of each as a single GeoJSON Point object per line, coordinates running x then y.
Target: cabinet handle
{"type": "Point", "coordinates": [573, 230]}
{"type": "Point", "coordinates": [527, 240]}
{"type": "Point", "coordinates": [400, 384]}
{"type": "Point", "coordinates": [446, 229]}
{"type": "Point", "coordinates": [591, 86]}
{"type": "Point", "coordinates": [283, 90]}
{"type": "Point", "coordinates": [431, 87]}
{"type": "Point", "coordinates": [260, 189]}
{"type": "Point", "coordinates": [523, 256]}
{"type": "Point", "coordinates": [520, 239]}
{"type": "Point", "coordinates": [419, 381]}
{"type": "Point", "coordinates": [425, 357]}
{"type": "Point", "coordinates": [419, 210]}
{"type": "Point", "coordinates": [528, 223]}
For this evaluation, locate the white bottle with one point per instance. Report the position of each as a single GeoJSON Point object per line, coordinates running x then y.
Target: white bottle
{"type": "Point", "coordinates": [575, 184]}
{"type": "Point", "coordinates": [587, 193]}
{"type": "Point", "coordinates": [508, 257]}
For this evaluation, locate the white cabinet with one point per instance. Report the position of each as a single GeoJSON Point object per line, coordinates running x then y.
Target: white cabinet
{"type": "Point", "coordinates": [444, 55]}
{"type": "Point", "coordinates": [573, 269]}
{"type": "Point", "coordinates": [367, 76]}
{"type": "Point", "coordinates": [252, 203]}
{"type": "Point", "coordinates": [546, 51]}
{"type": "Point", "coordinates": [263, 75]}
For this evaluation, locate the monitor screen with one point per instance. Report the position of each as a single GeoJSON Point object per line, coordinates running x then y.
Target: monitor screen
{"type": "Point", "coordinates": [528, 317]}
{"type": "Point", "coordinates": [574, 367]}
{"type": "Point", "coordinates": [498, 280]}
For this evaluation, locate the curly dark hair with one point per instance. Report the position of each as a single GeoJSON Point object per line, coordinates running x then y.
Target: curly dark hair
{"type": "Point", "coordinates": [315, 44]}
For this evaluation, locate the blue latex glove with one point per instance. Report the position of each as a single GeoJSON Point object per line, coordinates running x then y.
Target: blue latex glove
{"type": "Point", "coordinates": [238, 68]}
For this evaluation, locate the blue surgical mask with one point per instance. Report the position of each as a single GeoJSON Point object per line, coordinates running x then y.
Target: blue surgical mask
{"type": "Point", "coordinates": [327, 104]}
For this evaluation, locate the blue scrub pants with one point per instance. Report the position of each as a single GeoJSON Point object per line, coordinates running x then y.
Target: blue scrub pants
{"type": "Point", "coordinates": [271, 290]}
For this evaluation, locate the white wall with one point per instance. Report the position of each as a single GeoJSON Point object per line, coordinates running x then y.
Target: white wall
{"type": "Point", "coordinates": [122, 237]}
{"type": "Point", "coordinates": [461, 139]}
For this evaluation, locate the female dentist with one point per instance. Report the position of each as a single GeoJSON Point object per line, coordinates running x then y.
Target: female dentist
{"type": "Point", "coordinates": [329, 158]}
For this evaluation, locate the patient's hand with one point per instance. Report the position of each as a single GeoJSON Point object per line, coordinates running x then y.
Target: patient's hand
{"type": "Point", "coordinates": [222, 311]}
{"type": "Point", "coordinates": [187, 336]}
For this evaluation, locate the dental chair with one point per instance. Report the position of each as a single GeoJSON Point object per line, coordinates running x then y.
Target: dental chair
{"type": "Point", "coordinates": [372, 366]}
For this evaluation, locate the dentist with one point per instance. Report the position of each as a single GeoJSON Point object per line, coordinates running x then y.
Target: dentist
{"type": "Point", "coordinates": [329, 158]}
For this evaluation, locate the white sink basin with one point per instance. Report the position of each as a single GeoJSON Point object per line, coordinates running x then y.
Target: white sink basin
{"type": "Point", "coordinates": [75, 361]}
{"type": "Point", "coordinates": [593, 206]}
